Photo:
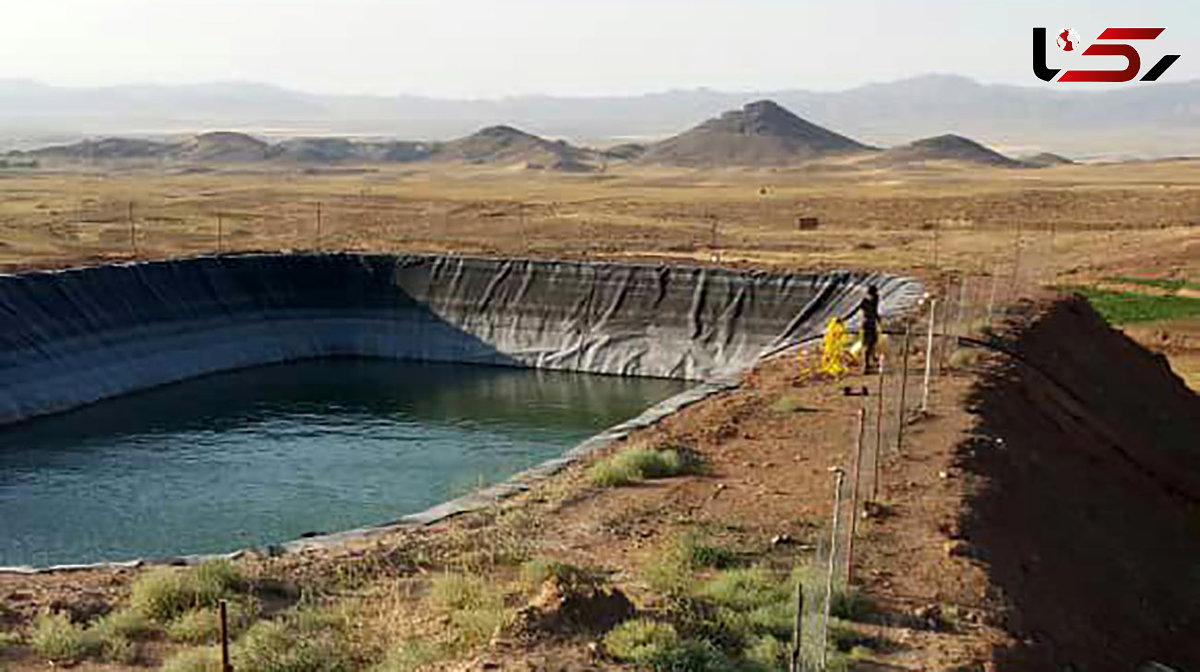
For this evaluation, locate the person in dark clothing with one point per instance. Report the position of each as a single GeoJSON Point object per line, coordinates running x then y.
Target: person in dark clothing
{"type": "Point", "coordinates": [870, 326]}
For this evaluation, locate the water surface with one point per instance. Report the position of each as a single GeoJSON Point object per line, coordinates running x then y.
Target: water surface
{"type": "Point", "coordinates": [267, 454]}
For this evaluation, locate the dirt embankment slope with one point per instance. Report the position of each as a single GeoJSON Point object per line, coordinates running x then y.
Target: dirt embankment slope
{"type": "Point", "coordinates": [1087, 517]}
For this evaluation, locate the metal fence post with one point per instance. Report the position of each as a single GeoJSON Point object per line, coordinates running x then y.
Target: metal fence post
{"type": "Point", "coordinates": [858, 450]}
{"type": "Point", "coordinates": [878, 432]}
{"type": "Point", "coordinates": [797, 625]}
{"type": "Point", "coordinates": [833, 535]}
{"type": "Point", "coordinates": [928, 356]}
{"type": "Point", "coordinates": [225, 665]}
{"type": "Point", "coordinates": [132, 232]}
{"type": "Point", "coordinates": [903, 386]}
{"type": "Point", "coordinates": [318, 225]}
{"type": "Point", "coordinates": [992, 295]}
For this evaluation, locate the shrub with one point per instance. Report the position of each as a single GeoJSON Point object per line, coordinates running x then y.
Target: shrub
{"type": "Point", "coordinates": [640, 640]}
{"type": "Point", "coordinates": [8, 639]}
{"type": "Point", "coordinates": [475, 606]}
{"type": "Point", "coordinates": [305, 640]}
{"type": "Point", "coordinates": [573, 577]}
{"type": "Point", "coordinates": [658, 646]}
{"type": "Point", "coordinates": [412, 654]}
{"type": "Point", "coordinates": [699, 553]}
{"type": "Point", "coordinates": [671, 571]}
{"type": "Point", "coordinates": [126, 624]}
{"type": "Point", "coordinates": [203, 626]}
{"type": "Point", "coordinates": [216, 579]}
{"type": "Point", "coordinates": [638, 464]}
{"type": "Point", "coordinates": [849, 605]}
{"type": "Point", "coordinates": [207, 659]}
{"type": "Point", "coordinates": [57, 639]}
{"type": "Point", "coordinates": [745, 589]}
{"type": "Point", "coordinates": [691, 656]}
{"type": "Point", "coordinates": [611, 474]}
{"type": "Point", "coordinates": [767, 652]}
{"type": "Point", "coordinates": [163, 594]}
{"type": "Point", "coordinates": [115, 648]}
{"type": "Point", "coordinates": [453, 591]}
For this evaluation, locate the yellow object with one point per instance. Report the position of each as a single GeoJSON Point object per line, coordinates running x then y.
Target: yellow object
{"type": "Point", "coordinates": [856, 348]}
{"type": "Point", "coordinates": [834, 348]}
{"type": "Point", "coordinates": [839, 351]}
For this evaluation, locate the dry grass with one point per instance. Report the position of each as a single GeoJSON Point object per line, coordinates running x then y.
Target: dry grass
{"type": "Point", "coordinates": [967, 219]}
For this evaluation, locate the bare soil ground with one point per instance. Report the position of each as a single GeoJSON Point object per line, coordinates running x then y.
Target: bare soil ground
{"type": "Point", "coordinates": [1036, 517]}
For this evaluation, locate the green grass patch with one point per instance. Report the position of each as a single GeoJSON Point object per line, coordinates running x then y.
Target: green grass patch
{"type": "Point", "coordinates": [745, 589]}
{"type": "Point", "coordinates": [699, 551]}
{"type": "Point", "coordinates": [634, 465]}
{"type": "Point", "coordinates": [305, 640]}
{"type": "Point", "coordinates": [672, 571]}
{"type": "Point", "coordinates": [414, 654]}
{"type": "Point", "coordinates": [768, 652]}
{"type": "Point", "coordinates": [127, 624]}
{"type": "Point", "coordinates": [166, 593]}
{"type": "Point", "coordinates": [474, 604]}
{"type": "Point", "coordinates": [573, 577]}
{"type": "Point", "coordinates": [658, 646]}
{"type": "Point", "coordinates": [746, 614]}
{"type": "Point", "coordinates": [1126, 307]}
{"type": "Point", "coordinates": [57, 639]}
{"type": "Point", "coordinates": [9, 640]}
{"type": "Point", "coordinates": [1173, 285]}
{"type": "Point", "coordinates": [789, 404]}
{"type": "Point", "coordinates": [207, 659]}
{"type": "Point", "coordinates": [203, 625]}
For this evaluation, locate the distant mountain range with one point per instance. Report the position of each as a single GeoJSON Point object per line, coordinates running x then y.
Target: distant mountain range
{"type": "Point", "coordinates": [761, 134]}
{"type": "Point", "coordinates": [1155, 119]}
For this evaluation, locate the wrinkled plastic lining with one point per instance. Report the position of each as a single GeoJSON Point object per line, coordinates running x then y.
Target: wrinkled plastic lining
{"type": "Point", "coordinates": [69, 338]}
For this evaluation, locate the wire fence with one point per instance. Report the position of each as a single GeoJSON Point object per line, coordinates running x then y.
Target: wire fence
{"type": "Point", "coordinates": [918, 351]}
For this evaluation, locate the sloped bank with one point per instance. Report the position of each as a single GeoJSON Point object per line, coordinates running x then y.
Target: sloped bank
{"type": "Point", "coordinates": [69, 338]}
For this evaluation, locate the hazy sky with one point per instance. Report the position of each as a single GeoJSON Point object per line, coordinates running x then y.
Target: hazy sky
{"type": "Point", "coordinates": [487, 48]}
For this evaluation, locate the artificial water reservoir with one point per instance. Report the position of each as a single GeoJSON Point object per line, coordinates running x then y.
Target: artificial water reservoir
{"type": "Point", "coordinates": [76, 343]}
{"type": "Point", "coordinates": [267, 454]}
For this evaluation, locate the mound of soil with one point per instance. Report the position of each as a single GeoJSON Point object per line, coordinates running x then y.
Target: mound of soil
{"type": "Point", "coordinates": [560, 608]}
{"type": "Point", "coordinates": [758, 135]}
{"type": "Point", "coordinates": [1088, 518]}
{"type": "Point", "coordinates": [947, 147]}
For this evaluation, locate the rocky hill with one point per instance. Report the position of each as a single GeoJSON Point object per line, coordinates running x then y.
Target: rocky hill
{"type": "Point", "coordinates": [505, 145]}
{"type": "Point", "coordinates": [761, 134]}
{"type": "Point", "coordinates": [105, 149]}
{"type": "Point", "coordinates": [948, 147]}
{"type": "Point", "coordinates": [1047, 160]}
{"type": "Point", "coordinates": [223, 147]}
